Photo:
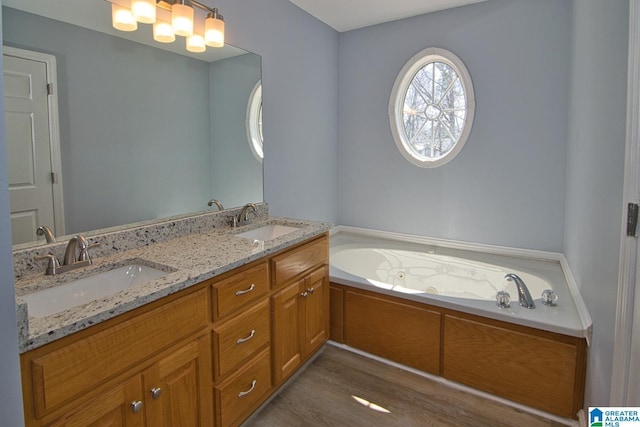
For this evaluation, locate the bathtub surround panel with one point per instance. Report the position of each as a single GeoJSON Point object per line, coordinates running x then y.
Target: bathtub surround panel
{"type": "Point", "coordinates": [506, 186]}
{"type": "Point", "coordinates": [540, 369]}
{"type": "Point", "coordinates": [406, 332]}
{"type": "Point", "coordinates": [543, 372]}
{"type": "Point", "coordinates": [595, 178]}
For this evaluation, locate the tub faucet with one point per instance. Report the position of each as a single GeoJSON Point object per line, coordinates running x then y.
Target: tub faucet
{"type": "Point", "coordinates": [217, 203]}
{"type": "Point", "coordinates": [243, 216]}
{"type": "Point", "coordinates": [524, 297]}
{"type": "Point", "coordinates": [45, 231]}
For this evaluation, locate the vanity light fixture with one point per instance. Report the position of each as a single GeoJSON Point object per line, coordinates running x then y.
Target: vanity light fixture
{"type": "Point", "coordinates": [122, 19]}
{"type": "Point", "coordinates": [171, 18]}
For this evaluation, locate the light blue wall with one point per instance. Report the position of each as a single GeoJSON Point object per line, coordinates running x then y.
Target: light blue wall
{"type": "Point", "coordinates": [506, 187]}
{"type": "Point", "coordinates": [10, 389]}
{"type": "Point", "coordinates": [236, 173]}
{"type": "Point", "coordinates": [300, 91]}
{"type": "Point", "coordinates": [595, 173]}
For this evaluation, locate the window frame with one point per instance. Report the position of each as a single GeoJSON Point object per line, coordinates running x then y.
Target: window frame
{"type": "Point", "coordinates": [398, 96]}
{"type": "Point", "coordinates": [254, 122]}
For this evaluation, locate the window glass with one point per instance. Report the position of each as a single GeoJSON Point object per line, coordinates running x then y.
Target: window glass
{"type": "Point", "coordinates": [431, 108]}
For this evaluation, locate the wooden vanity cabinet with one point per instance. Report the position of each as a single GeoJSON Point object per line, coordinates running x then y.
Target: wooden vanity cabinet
{"type": "Point", "coordinates": [241, 343]}
{"type": "Point", "coordinates": [108, 372]}
{"type": "Point", "coordinates": [300, 306]}
{"type": "Point", "coordinates": [204, 356]}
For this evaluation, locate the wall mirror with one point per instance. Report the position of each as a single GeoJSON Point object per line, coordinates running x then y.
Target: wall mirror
{"type": "Point", "coordinates": [144, 132]}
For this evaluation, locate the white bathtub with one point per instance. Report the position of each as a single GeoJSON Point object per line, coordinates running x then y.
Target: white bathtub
{"type": "Point", "coordinates": [458, 276]}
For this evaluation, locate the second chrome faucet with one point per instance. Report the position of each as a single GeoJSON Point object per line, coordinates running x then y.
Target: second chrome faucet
{"type": "Point", "coordinates": [76, 255]}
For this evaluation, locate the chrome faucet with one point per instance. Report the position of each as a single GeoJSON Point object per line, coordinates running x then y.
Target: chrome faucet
{"type": "Point", "coordinates": [524, 297]}
{"type": "Point", "coordinates": [76, 255]}
{"type": "Point", "coordinates": [217, 203]}
{"type": "Point", "coordinates": [75, 243]}
{"type": "Point", "coordinates": [243, 216]}
{"type": "Point", "coordinates": [45, 231]}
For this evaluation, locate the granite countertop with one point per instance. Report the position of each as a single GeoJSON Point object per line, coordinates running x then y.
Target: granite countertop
{"type": "Point", "coordinates": [188, 260]}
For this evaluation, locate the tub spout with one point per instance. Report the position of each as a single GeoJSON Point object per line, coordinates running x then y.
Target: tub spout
{"type": "Point", "coordinates": [524, 297]}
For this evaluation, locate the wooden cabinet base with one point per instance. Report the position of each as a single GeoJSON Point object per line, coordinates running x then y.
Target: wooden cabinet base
{"type": "Point", "coordinates": [540, 369]}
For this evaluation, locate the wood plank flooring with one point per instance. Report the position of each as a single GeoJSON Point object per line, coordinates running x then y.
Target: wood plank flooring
{"type": "Point", "coordinates": [341, 388]}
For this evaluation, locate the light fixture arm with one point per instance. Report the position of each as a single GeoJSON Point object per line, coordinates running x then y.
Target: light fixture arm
{"type": "Point", "coordinates": [166, 4]}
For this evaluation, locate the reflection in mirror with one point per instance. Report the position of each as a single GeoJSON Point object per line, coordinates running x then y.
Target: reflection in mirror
{"type": "Point", "coordinates": [144, 133]}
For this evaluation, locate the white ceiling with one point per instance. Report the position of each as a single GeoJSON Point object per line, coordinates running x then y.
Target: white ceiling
{"type": "Point", "coordinates": [345, 15]}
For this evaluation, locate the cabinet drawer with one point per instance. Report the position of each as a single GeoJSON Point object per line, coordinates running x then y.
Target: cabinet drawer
{"type": "Point", "coordinates": [77, 367]}
{"type": "Point", "coordinates": [242, 393]}
{"type": "Point", "coordinates": [300, 259]}
{"type": "Point", "coordinates": [240, 338]}
{"type": "Point", "coordinates": [240, 289]}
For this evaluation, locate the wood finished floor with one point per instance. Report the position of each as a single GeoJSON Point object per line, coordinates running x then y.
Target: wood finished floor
{"type": "Point", "coordinates": [323, 395]}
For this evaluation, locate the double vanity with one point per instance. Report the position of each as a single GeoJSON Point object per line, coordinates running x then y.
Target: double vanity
{"type": "Point", "coordinates": [218, 319]}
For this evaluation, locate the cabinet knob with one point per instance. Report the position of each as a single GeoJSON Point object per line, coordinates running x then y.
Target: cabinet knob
{"type": "Point", "coordinates": [156, 392]}
{"type": "Point", "coordinates": [304, 294]}
{"type": "Point", "coordinates": [136, 406]}
{"type": "Point", "coordinates": [310, 290]}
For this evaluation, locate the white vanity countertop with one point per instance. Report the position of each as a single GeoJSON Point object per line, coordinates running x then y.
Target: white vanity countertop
{"type": "Point", "coordinates": [189, 260]}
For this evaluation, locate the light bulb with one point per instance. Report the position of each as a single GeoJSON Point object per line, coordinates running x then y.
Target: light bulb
{"type": "Point", "coordinates": [195, 43]}
{"type": "Point", "coordinates": [214, 30]}
{"type": "Point", "coordinates": [182, 19]}
{"type": "Point", "coordinates": [163, 32]}
{"type": "Point", "coordinates": [122, 19]}
{"type": "Point", "coordinates": [144, 11]}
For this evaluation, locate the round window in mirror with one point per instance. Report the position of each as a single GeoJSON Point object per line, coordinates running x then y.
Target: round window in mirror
{"type": "Point", "coordinates": [431, 108]}
{"type": "Point", "coordinates": [254, 121]}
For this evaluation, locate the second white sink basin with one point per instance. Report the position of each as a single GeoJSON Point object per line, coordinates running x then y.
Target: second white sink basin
{"type": "Point", "coordinates": [268, 232]}
{"type": "Point", "coordinates": [59, 298]}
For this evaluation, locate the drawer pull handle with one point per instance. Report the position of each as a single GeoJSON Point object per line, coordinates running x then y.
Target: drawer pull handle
{"type": "Point", "coordinates": [136, 406]}
{"type": "Point", "coordinates": [310, 290]}
{"type": "Point", "coordinates": [241, 340]}
{"type": "Point", "coordinates": [246, 291]}
{"type": "Point", "coordinates": [244, 393]}
{"type": "Point", "coordinates": [156, 392]}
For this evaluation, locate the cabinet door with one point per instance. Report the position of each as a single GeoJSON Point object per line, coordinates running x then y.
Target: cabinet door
{"type": "Point", "coordinates": [177, 388]}
{"type": "Point", "coordinates": [287, 349]}
{"type": "Point", "coordinates": [111, 409]}
{"type": "Point", "coordinates": [316, 311]}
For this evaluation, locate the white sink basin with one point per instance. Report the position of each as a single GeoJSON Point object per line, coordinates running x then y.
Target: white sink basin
{"type": "Point", "coordinates": [267, 232]}
{"type": "Point", "coordinates": [59, 298]}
